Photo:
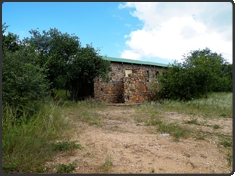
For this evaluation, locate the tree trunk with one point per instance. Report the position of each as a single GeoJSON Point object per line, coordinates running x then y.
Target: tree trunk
{"type": "Point", "coordinates": [73, 94]}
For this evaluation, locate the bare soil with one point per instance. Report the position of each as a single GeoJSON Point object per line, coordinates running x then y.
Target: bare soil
{"type": "Point", "coordinates": [134, 147]}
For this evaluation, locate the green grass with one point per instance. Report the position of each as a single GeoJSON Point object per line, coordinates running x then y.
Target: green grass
{"type": "Point", "coordinates": [226, 142]}
{"type": "Point", "coordinates": [216, 127]}
{"type": "Point", "coordinates": [61, 94]}
{"type": "Point", "coordinates": [66, 169]}
{"type": "Point", "coordinates": [84, 111]}
{"type": "Point", "coordinates": [229, 158]}
{"type": "Point", "coordinates": [87, 154]}
{"type": "Point", "coordinates": [107, 164]}
{"type": "Point", "coordinates": [217, 105]}
{"type": "Point", "coordinates": [174, 130]}
{"type": "Point", "coordinates": [65, 145]}
{"type": "Point", "coordinates": [193, 121]}
{"type": "Point", "coordinates": [26, 142]}
{"type": "Point", "coordinates": [152, 121]}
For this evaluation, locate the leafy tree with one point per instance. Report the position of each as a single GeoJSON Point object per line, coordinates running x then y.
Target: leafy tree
{"type": "Point", "coordinates": [54, 49]}
{"type": "Point", "coordinates": [69, 65]}
{"type": "Point", "coordinates": [206, 67]}
{"type": "Point", "coordinates": [23, 81]}
{"type": "Point", "coordinates": [224, 83]}
{"type": "Point", "coordinates": [82, 69]}
{"type": "Point", "coordinates": [200, 72]}
{"type": "Point", "coordinates": [10, 42]}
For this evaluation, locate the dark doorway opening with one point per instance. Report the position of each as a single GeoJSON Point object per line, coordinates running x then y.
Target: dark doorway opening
{"type": "Point", "coordinates": [86, 91]}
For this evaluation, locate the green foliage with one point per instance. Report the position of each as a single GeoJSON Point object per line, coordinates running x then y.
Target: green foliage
{"type": "Point", "coordinates": [226, 142]}
{"type": "Point", "coordinates": [229, 158]}
{"type": "Point", "coordinates": [66, 169]}
{"type": "Point", "coordinates": [216, 127]}
{"type": "Point", "coordinates": [84, 111]}
{"type": "Point", "coordinates": [61, 95]}
{"type": "Point", "coordinates": [23, 83]}
{"type": "Point", "coordinates": [107, 164]}
{"type": "Point", "coordinates": [217, 105]}
{"type": "Point", "coordinates": [82, 70]}
{"type": "Point", "coordinates": [26, 142]}
{"type": "Point", "coordinates": [92, 118]}
{"type": "Point", "coordinates": [69, 66]}
{"type": "Point", "coordinates": [55, 49]}
{"type": "Point", "coordinates": [201, 71]}
{"type": "Point", "coordinates": [10, 42]}
{"type": "Point", "coordinates": [224, 82]}
{"type": "Point", "coordinates": [65, 145]}
{"type": "Point", "coordinates": [174, 129]}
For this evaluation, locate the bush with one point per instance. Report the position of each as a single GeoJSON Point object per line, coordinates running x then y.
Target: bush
{"type": "Point", "coordinates": [202, 71]}
{"type": "Point", "coordinates": [23, 83]}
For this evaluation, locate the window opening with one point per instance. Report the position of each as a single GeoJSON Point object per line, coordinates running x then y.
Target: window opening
{"type": "Point", "coordinates": [147, 76]}
{"type": "Point", "coordinates": [127, 72]}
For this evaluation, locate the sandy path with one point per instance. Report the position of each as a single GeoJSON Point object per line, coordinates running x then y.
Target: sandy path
{"type": "Point", "coordinates": [135, 148]}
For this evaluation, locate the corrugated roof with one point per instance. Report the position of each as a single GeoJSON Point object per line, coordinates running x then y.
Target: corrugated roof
{"type": "Point", "coordinates": [114, 59]}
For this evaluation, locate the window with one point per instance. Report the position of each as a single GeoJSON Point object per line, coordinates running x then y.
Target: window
{"type": "Point", "coordinates": [147, 76]}
{"type": "Point", "coordinates": [127, 72]}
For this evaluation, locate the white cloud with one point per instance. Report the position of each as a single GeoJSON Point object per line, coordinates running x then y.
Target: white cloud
{"type": "Point", "coordinates": [173, 29]}
{"type": "Point", "coordinates": [130, 54]}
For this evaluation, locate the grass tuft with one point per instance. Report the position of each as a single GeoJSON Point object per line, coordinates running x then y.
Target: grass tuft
{"type": "Point", "coordinates": [226, 142]}
{"type": "Point", "coordinates": [193, 121]}
{"type": "Point", "coordinates": [65, 145]}
{"type": "Point", "coordinates": [66, 169]}
{"type": "Point", "coordinates": [216, 127]}
{"type": "Point", "coordinates": [174, 129]}
{"type": "Point", "coordinates": [107, 164]}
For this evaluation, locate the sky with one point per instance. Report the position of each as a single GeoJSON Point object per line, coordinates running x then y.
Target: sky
{"type": "Point", "coordinates": [159, 32]}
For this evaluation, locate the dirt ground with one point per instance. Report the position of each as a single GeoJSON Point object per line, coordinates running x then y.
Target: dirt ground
{"type": "Point", "coordinates": [132, 147]}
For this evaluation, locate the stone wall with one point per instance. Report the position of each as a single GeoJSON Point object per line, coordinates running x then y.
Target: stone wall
{"type": "Point", "coordinates": [113, 91]}
{"type": "Point", "coordinates": [135, 88]}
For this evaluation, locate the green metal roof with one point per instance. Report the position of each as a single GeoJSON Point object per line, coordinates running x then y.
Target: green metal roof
{"type": "Point", "coordinates": [113, 59]}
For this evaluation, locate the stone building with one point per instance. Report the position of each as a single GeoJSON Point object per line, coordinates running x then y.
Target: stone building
{"type": "Point", "coordinates": [130, 81]}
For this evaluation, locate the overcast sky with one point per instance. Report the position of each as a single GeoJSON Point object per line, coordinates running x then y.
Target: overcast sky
{"type": "Point", "coordinates": [151, 31]}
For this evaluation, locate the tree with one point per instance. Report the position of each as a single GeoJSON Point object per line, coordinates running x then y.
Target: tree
{"type": "Point", "coordinates": [10, 42]}
{"type": "Point", "coordinates": [224, 83]}
{"type": "Point", "coordinates": [54, 49]}
{"type": "Point", "coordinates": [200, 72]}
{"type": "Point", "coordinates": [23, 81]}
{"type": "Point", "coordinates": [82, 69]}
{"type": "Point", "coordinates": [70, 66]}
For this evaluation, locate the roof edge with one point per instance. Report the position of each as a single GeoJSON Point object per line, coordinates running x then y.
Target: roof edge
{"type": "Point", "coordinates": [139, 62]}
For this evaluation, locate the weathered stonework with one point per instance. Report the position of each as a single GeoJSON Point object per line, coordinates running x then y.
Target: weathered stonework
{"type": "Point", "coordinates": [135, 88]}
{"type": "Point", "coordinates": [121, 89]}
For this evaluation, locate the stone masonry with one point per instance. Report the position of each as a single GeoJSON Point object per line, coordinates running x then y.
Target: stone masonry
{"type": "Point", "coordinates": [123, 88]}
{"type": "Point", "coordinates": [135, 88]}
